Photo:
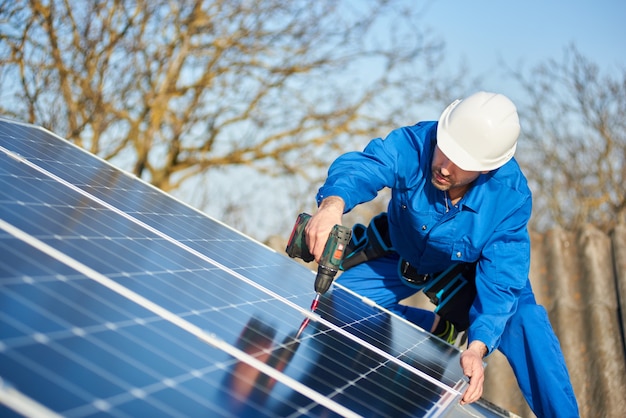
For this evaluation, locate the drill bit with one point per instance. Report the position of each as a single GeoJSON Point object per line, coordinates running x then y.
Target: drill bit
{"type": "Point", "coordinates": [302, 327]}
{"type": "Point", "coordinates": [306, 320]}
{"type": "Point", "coordinates": [315, 302]}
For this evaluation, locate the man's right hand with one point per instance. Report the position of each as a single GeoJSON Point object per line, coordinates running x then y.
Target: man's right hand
{"type": "Point", "coordinates": [319, 226]}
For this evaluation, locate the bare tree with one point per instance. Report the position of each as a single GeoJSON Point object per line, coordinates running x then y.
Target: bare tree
{"type": "Point", "coordinates": [576, 131]}
{"type": "Point", "coordinates": [170, 90]}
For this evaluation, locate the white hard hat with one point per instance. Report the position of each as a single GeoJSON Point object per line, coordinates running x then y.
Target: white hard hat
{"type": "Point", "coordinates": [479, 133]}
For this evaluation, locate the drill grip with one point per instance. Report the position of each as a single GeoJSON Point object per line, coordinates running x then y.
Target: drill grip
{"type": "Point", "coordinates": [336, 244]}
{"type": "Point", "coordinates": [332, 256]}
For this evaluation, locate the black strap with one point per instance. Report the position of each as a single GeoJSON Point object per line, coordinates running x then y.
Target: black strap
{"type": "Point", "coordinates": [368, 243]}
{"type": "Point", "coordinates": [454, 291]}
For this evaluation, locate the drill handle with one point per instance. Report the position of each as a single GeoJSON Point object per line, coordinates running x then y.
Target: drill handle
{"type": "Point", "coordinates": [335, 248]}
{"type": "Point", "coordinates": [332, 257]}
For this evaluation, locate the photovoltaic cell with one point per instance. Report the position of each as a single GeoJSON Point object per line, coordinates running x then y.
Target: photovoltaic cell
{"type": "Point", "coordinates": [118, 300]}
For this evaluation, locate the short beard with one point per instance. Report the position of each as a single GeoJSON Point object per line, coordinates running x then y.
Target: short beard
{"type": "Point", "coordinates": [441, 187]}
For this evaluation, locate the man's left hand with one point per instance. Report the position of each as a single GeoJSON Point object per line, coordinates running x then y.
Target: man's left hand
{"type": "Point", "coordinates": [472, 365]}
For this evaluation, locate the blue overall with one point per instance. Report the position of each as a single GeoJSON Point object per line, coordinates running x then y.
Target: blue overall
{"type": "Point", "coordinates": [488, 226]}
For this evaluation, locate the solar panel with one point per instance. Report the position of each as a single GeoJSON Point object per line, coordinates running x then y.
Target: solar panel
{"type": "Point", "coordinates": [118, 300]}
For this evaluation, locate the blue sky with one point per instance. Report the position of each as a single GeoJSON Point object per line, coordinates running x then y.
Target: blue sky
{"type": "Point", "coordinates": [485, 32]}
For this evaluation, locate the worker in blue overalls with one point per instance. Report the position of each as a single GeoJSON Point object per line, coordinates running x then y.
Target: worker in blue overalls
{"type": "Point", "coordinates": [456, 224]}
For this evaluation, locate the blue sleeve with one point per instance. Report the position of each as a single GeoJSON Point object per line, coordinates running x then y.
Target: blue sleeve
{"type": "Point", "coordinates": [501, 276]}
{"type": "Point", "coordinates": [357, 177]}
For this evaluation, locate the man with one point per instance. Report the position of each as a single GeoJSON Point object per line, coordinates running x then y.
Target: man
{"type": "Point", "coordinates": [459, 198]}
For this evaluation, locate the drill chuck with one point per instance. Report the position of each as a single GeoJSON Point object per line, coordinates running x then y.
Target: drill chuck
{"type": "Point", "coordinates": [324, 279]}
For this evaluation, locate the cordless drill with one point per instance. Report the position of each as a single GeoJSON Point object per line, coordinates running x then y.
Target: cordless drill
{"type": "Point", "coordinates": [331, 258]}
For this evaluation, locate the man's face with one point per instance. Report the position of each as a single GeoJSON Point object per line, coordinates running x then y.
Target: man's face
{"type": "Point", "coordinates": [447, 176]}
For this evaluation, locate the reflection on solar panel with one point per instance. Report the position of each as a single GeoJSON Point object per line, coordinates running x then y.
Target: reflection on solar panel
{"type": "Point", "coordinates": [118, 300]}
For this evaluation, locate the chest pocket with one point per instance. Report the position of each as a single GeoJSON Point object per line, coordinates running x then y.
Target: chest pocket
{"type": "Point", "coordinates": [450, 239]}
{"type": "Point", "coordinates": [464, 252]}
{"type": "Point", "coordinates": [440, 253]}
